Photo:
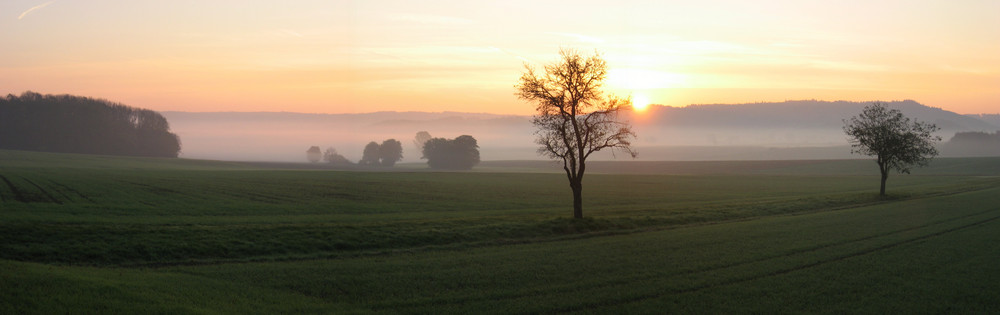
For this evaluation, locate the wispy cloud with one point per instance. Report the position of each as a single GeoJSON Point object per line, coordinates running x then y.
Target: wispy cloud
{"type": "Point", "coordinates": [23, 14]}
{"type": "Point", "coordinates": [508, 52]}
{"type": "Point", "coordinates": [431, 19]}
{"type": "Point", "coordinates": [579, 37]}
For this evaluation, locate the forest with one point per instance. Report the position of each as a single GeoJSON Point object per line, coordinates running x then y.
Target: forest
{"type": "Point", "coordinates": [75, 124]}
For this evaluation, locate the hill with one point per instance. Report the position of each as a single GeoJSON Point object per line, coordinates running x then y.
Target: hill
{"type": "Point", "coordinates": [785, 124]}
{"type": "Point", "coordinates": [990, 118]}
{"type": "Point", "coordinates": [803, 114]}
{"type": "Point", "coordinates": [760, 131]}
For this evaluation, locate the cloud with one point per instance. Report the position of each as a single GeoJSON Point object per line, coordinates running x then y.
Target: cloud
{"type": "Point", "coordinates": [34, 8]}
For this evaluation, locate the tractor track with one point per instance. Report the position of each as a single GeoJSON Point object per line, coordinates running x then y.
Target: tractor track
{"type": "Point", "coordinates": [783, 271]}
{"type": "Point", "coordinates": [18, 195]}
{"type": "Point", "coordinates": [736, 264]}
{"type": "Point", "coordinates": [43, 190]}
{"type": "Point", "coordinates": [63, 187]}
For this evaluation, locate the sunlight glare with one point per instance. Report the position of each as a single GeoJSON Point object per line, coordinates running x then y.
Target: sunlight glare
{"type": "Point", "coordinates": [640, 102]}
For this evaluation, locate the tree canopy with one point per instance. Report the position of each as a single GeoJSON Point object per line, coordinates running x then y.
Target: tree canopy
{"type": "Point", "coordinates": [390, 152]}
{"type": "Point", "coordinates": [573, 117]}
{"type": "Point", "coordinates": [314, 154]}
{"type": "Point", "coordinates": [896, 142]}
{"type": "Point", "coordinates": [461, 153]}
{"type": "Point", "coordinates": [370, 156]}
{"type": "Point", "coordinates": [75, 124]}
{"type": "Point", "coordinates": [385, 154]}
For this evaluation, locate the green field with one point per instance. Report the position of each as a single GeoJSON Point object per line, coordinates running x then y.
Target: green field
{"type": "Point", "coordinates": [92, 234]}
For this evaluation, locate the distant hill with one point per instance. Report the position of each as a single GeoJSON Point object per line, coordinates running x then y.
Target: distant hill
{"type": "Point", "coordinates": [990, 118]}
{"type": "Point", "coordinates": [785, 123]}
{"type": "Point", "coordinates": [76, 124]}
{"type": "Point", "coordinates": [785, 130]}
{"type": "Point", "coordinates": [803, 114]}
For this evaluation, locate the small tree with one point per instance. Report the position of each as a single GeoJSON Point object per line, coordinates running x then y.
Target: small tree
{"type": "Point", "coordinates": [313, 154]}
{"type": "Point", "coordinates": [370, 157]}
{"type": "Point", "coordinates": [331, 156]}
{"type": "Point", "coordinates": [420, 139]}
{"type": "Point", "coordinates": [897, 143]}
{"type": "Point", "coordinates": [574, 118]}
{"type": "Point", "coordinates": [390, 152]}
{"type": "Point", "coordinates": [461, 153]}
{"type": "Point", "coordinates": [466, 151]}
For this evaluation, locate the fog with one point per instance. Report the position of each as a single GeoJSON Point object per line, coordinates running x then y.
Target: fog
{"type": "Point", "coordinates": [764, 131]}
{"type": "Point", "coordinates": [285, 137]}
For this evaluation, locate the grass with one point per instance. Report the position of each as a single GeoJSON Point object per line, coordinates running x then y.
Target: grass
{"type": "Point", "coordinates": [128, 235]}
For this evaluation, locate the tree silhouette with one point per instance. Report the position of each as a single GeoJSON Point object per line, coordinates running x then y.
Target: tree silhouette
{"type": "Point", "coordinates": [74, 124]}
{"type": "Point", "coordinates": [314, 154]}
{"type": "Point", "coordinates": [461, 153]}
{"type": "Point", "coordinates": [574, 118]}
{"type": "Point", "coordinates": [331, 156]}
{"type": "Point", "coordinates": [896, 143]}
{"type": "Point", "coordinates": [370, 156]}
{"type": "Point", "coordinates": [420, 139]}
{"type": "Point", "coordinates": [390, 152]}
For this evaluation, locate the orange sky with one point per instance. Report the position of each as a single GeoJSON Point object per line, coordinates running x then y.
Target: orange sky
{"type": "Point", "coordinates": [365, 56]}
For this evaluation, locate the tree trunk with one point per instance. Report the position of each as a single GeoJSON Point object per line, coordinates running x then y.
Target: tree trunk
{"type": "Point", "coordinates": [885, 176]}
{"type": "Point", "coordinates": [577, 199]}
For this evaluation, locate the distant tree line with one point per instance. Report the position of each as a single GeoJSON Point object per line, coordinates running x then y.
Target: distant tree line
{"type": "Point", "coordinates": [75, 124]}
{"type": "Point", "coordinates": [461, 153]}
{"type": "Point", "coordinates": [976, 137]}
{"type": "Point", "coordinates": [974, 144]}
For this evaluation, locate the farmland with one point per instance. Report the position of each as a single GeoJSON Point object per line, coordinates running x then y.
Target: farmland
{"type": "Point", "coordinates": [111, 234]}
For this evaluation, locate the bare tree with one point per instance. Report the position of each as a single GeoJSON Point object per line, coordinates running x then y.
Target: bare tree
{"type": "Point", "coordinates": [897, 143]}
{"type": "Point", "coordinates": [574, 118]}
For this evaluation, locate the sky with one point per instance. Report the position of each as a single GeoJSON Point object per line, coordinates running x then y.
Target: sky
{"type": "Point", "coordinates": [466, 56]}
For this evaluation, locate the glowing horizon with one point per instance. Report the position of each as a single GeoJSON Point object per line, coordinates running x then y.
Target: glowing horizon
{"type": "Point", "coordinates": [353, 57]}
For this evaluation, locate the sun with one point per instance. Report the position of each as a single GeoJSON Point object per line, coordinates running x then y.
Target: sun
{"type": "Point", "coordinates": [640, 102]}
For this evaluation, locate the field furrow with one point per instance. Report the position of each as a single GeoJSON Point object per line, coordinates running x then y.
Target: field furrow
{"type": "Point", "coordinates": [18, 196]}
{"type": "Point", "coordinates": [43, 191]}
{"type": "Point", "coordinates": [750, 271]}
